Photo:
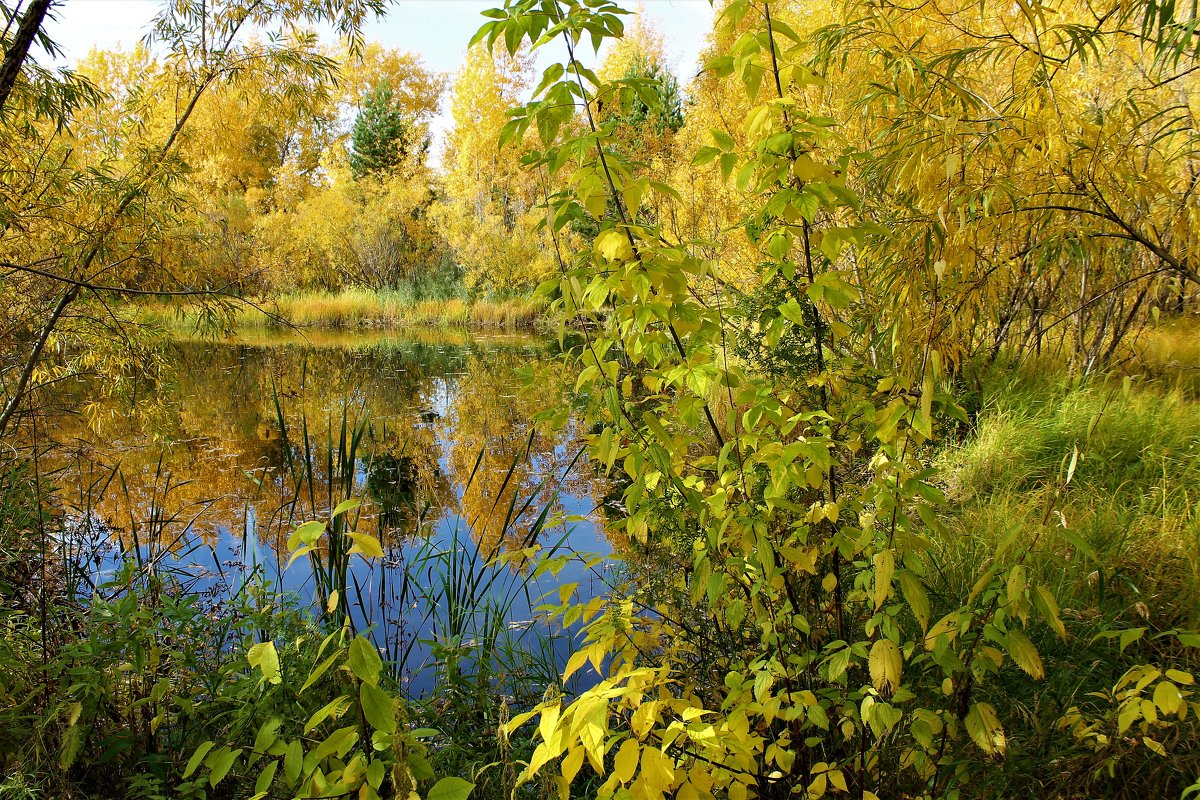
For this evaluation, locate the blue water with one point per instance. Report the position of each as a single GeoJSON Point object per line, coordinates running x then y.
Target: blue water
{"type": "Point", "coordinates": [433, 407]}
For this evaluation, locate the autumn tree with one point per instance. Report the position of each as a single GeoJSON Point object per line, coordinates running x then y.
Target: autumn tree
{"type": "Point", "coordinates": [81, 226]}
{"type": "Point", "coordinates": [803, 650]}
{"type": "Point", "coordinates": [489, 215]}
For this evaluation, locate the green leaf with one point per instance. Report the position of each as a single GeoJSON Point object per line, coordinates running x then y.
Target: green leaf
{"type": "Point", "coordinates": [197, 758]}
{"type": "Point", "coordinates": [267, 735]}
{"type": "Point", "coordinates": [422, 770]}
{"type": "Point", "coordinates": [265, 778]}
{"type": "Point", "coordinates": [346, 505]}
{"type": "Point", "coordinates": [219, 763]}
{"type": "Point", "coordinates": [728, 162]}
{"type": "Point", "coordinates": [364, 660]}
{"type": "Point", "coordinates": [377, 707]}
{"type": "Point", "coordinates": [333, 709]}
{"type": "Point", "coordinates": [320, 670]}
{"type": "Point", "coordinates": [337, 743]}
{"type": "Point", "coordinates": [450, 788]}
{"type": "Point", "coordinates": [704, 156]}
{"type": "Point", "coordinates": [723, 139]}
{"type": "Point", "coordinates": [293, 762]}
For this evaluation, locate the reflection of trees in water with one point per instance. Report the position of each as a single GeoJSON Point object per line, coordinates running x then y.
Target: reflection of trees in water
{"type": "Point", "coordinates": [392, 484]}
{"type": "Point", "coordinates": [408, 489]}
{"type": "Point", "coordinates": [224, 449]}
{"type": "Point", "coordinates": [507, 488]}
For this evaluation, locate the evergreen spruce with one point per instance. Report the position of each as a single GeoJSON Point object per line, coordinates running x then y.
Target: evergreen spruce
{"type": "Point", "coordinates": [380, 138]}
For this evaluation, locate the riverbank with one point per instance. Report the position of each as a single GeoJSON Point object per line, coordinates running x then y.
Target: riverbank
{"type": "Point", "coordinates": [353, 309]}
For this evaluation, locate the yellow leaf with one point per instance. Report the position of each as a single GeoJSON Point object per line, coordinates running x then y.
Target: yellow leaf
{"type": "Point", "coordinates": [613, 245]}
{"type": "Point", "coordinates": [298, 553]}
{"type": "Point", "coordinates": [643, 719]}
{"type": "Point", "coordinates": [946, 626]}
{"type": "Point", "coordinates": [577, 660]}
{"type": "Point", "coordinates": [658, 771]}
{"type": "Point", "coordinates": [838, 780]}
{"type": "Point", "coordinates": [541, 754]}
{"type": "Point", "coordinates": [565, 591]}
{"type": "Point", "coordinates": [548, 721]}
{"type": "Point", "coordinates": [808, 170]}
{"type": "Point", "coordinates": [1024, 653]}
{"type": "Point", "coordinates": [1167, 697]}
{"type": "Point", "coordinates": [626, 761]}
{"type": "Point", "coordinates": [916, 597]}
{"type": "Point", "coordinates": [571, 765]}
{"type": "Point", "coordinates": [885, 567]}
{"type": "Point", "coordinates": [591, 725]}
{"type": "Point", "coordinates": [1179, 676]}
{"type": "Point", "coordinates": [984, 728]}
{"type": "Point", "coordinates": [886, 665]}
{"type": "Point", "coordinates": [1048, 607]}
{"type": "Point", "coordinates": [366, 545]}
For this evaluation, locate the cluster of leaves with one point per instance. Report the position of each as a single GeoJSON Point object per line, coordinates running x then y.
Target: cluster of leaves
{"type": "Point", "coordinates": [374, 756]}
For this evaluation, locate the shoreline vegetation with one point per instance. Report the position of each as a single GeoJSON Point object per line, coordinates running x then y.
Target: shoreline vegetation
{"type": "Point", "coordinates": [352, 309]}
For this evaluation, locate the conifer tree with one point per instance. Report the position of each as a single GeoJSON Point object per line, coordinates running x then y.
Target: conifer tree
{"type": "Point", "coordinates": [379, 142]}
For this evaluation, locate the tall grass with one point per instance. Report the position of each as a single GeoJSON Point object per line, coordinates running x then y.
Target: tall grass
{"type": "Point", "coordinates": [1170, 353]}
{"type": "Point", "coordinates": [1125, 538]}
{"type": "Point", "coordinates": [439, 604]}
{"type": "Point", "coordinates": [357, 308]}
{"type": "Point", "coordinates": [1118, 546]}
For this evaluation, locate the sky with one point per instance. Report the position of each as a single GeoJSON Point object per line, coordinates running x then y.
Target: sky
{"type": "Point", "coordinates": [438, 30]}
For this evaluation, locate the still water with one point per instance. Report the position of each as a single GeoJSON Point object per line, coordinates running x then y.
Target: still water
{"type": "Point", "coordinates": [435, 436]}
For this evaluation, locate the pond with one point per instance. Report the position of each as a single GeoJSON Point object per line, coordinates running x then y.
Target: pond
{"type": "Point", "coordinates": [433, 435]}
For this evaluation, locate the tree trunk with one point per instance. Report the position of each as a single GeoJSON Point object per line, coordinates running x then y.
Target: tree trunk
{"type": "Point", "coordinates": [14, 56]}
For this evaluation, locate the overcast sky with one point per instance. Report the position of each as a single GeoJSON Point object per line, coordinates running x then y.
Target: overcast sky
{"type": "Point", "coordinates": [436, 29]}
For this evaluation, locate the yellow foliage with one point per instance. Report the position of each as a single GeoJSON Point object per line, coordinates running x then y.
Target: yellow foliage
{"type": "Point", "coordinates": [489, 216]}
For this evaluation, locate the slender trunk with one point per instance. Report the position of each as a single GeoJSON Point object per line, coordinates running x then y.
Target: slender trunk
{"type": "Point", "coordinates": [15, 55]}
{"type": "Point", "coordinates": [27, 373]}
{"type": "Point", "coordinates": [92, 254]}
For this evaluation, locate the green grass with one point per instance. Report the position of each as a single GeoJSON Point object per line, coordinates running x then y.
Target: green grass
{"type": "Point", "coordinates": [1126, 527]}
{"type": "Point", "coordinates": [355, 309]}
{"type": "Point", "coordinates": [1119, 548]}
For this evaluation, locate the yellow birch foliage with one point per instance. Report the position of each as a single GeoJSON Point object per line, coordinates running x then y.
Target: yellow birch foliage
{"type": "Point", "coordinates": [489, 216]}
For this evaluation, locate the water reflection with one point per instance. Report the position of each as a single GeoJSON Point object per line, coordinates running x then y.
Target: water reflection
{"type": "Point", "coordinates": [434, 435]}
